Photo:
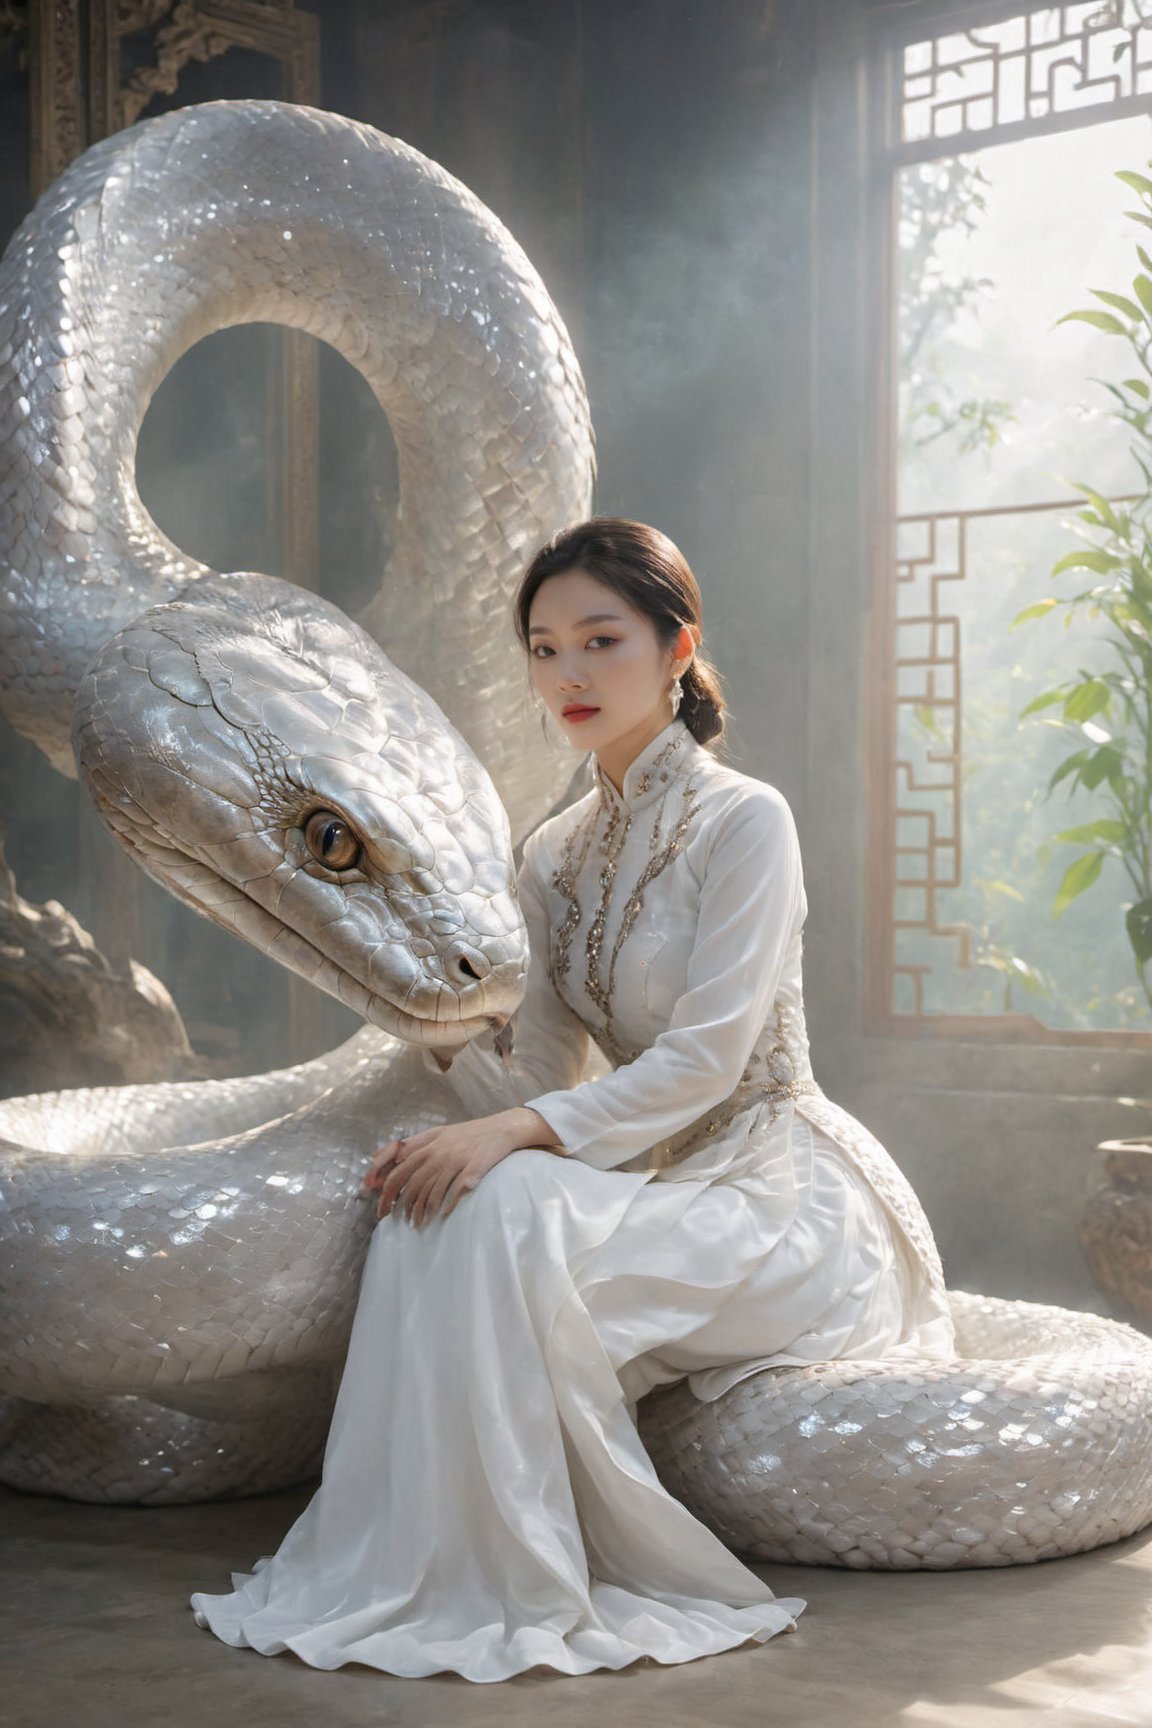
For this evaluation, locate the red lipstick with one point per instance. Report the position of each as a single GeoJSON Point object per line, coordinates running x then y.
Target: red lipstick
{"type": "Point", "coordinates": [575, 712]}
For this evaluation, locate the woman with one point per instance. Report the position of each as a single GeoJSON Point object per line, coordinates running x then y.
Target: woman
{"type": "Point", "coordinates": [699, 1211]}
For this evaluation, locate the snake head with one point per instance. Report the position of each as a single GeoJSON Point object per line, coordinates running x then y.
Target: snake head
{"type": "Point", "coordinates": [262, 758]}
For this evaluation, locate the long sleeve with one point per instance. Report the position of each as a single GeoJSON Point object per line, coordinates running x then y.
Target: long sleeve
{"type": "Point", "coordinates": [751, 909]}
{"type": "Point", "coordinates": [550, 1046]}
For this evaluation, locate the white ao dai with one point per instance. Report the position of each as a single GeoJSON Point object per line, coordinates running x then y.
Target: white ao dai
{"type": "Point", "coordinates": [486, 1503]}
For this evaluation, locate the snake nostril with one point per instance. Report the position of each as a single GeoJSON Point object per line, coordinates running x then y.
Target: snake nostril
{"type": "Point", "coordinates": [465, 964]}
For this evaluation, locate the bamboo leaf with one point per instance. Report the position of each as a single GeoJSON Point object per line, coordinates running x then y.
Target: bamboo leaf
{"type": "Point", "coordinates": [1142, 287]}
{"type": "Point", "coordinates": [1099, 503]}
{"type": "Point", "coordinates": [1032, 980]}
{"type": "Point", "coordinates": [1138, 923]}
{"type": "Point", "coordinates": [1138, 182]}
{"type": "Point", "coordinates": [1105, 763]}
{"type": "Point", "coordinates": [1087, 699]}
{"type": "Point", "coordinates": [1073, 764]}
{"type": "Point", "coordinates": [1106, 829]}
{"type": "Point", "coordinates": [999, 887]}
{"type": "Point", "coordinates": [1046, 700]}
{"type": "Point", "coordinates": [1078, 877]}
{"type": "Point", "coordinates": [1098, 320]}
{"type": "Point", "coordinates": [1119, 302]}
{"type": "Point", "coordinates": [926, 718]}
{"type": "Point", "coordinates": [1089, 558]}
{"type": "Point", "coordinates": [1040, 610]}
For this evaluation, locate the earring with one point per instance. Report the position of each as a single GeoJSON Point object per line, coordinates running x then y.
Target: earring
{"type": "Point", "coordinates": [677, 695]}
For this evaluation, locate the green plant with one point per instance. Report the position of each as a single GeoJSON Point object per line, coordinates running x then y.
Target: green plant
{"type": "Point", "coordinates": [1108, 708]}
{"type": "Point", "coordinates": [937, 198]}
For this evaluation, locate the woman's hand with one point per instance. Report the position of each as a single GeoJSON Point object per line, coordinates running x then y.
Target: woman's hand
{"type": "Point", "coordinates": [433, 1170]}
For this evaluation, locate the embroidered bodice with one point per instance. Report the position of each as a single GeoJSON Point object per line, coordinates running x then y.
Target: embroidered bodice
{"type": "Point", "coordinates": [664, 924]}
{"type": "Point", "coordinates": [603, 904]}
{"type": "Point", "coordinates": [625, 902]}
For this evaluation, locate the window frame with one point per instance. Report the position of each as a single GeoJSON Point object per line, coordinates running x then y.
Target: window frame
{"type": "Point", "coordinates": [891, 27]}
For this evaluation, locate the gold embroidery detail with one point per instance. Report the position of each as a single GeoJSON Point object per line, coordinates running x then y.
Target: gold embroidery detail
{"type": "Point", "coordinates": [603, 1037]}
{"type": "Point", "coordinates": [660, 764]}
{"type": "Point", "coordinates": [615, 834]}
{"type": "Point", "coordinates": [775, 1076]}
{"type": "Point", "coordinates": [602, 994]}
{"type": "Point", "coordinates": [600, 990]}
{"type": "Point", "coordinates": [564, 881]}
{"type": "Point", "coordinates": [574, 856]}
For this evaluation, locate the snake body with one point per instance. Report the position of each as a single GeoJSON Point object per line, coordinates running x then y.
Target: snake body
{"type": "Point", "coordinates": [181, 1260]}
{"type": "Point", "coordinates": [196, 1247]}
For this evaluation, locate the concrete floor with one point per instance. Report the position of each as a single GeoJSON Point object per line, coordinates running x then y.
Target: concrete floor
{"type": "Point", "coordinates": [94, 1628]}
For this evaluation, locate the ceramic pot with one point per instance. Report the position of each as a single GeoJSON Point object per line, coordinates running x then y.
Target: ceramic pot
{"type": "Point", "coordinates": [1116, 1228]}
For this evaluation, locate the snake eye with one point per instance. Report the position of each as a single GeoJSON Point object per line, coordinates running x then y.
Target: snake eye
{"type": "Point", "coordinates": [331, 841]}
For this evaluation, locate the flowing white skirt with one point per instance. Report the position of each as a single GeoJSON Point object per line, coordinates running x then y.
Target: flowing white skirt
{"type": "Point", "coordinates": [486, 1503]}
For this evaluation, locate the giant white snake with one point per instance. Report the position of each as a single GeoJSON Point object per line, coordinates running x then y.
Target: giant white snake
{"type": "Point", "coordinates": [180, 1261]}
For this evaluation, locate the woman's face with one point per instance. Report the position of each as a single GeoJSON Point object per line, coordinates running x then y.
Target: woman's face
{"type": "Point", "coordinates": [598, 664]}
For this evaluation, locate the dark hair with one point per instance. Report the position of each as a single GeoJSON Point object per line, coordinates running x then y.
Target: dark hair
{"type": "Point", "coordinates": [648, 571]}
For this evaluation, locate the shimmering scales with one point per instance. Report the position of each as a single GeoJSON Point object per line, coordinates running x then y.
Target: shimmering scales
{"type": "Point", "coordinates": [881, 1464]}
{"type": "Point", "coordinates": [157, 237]}
{"type": "Point", "coordinates": [200, 1245]}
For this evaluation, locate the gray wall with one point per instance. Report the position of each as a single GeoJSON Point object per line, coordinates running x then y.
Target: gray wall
{"type": "Point", "coordinates": [652, 158]}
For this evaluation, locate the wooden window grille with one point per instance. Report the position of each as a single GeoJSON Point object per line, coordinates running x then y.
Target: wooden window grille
{"type": "Point", "coordinates": [983, 75]}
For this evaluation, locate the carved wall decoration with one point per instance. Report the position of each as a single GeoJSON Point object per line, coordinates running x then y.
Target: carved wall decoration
{"type": "Point", "coordinates": [93, 70]}
{"type": "Point", "coordinates": [59, 114]}
{"type": "Point", "coordinates": [193, 30]}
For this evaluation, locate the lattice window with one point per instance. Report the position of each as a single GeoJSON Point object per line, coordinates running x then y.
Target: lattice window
{"type": "Point", "coordinates": [1034, 67]}
{"type": "Point", "coordinates": [959, 861]}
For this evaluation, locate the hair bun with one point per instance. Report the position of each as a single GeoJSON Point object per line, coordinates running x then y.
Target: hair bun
{"type": "Point", "coordinates": [701, 701]}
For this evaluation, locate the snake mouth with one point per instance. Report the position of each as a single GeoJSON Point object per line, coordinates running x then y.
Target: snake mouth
{"type": "Point", "coordinates": [328, 975]}
{"type": "Point", "coordinates": [227, 905]}
{"type": "Point", "coordinates": [438, 1033]}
